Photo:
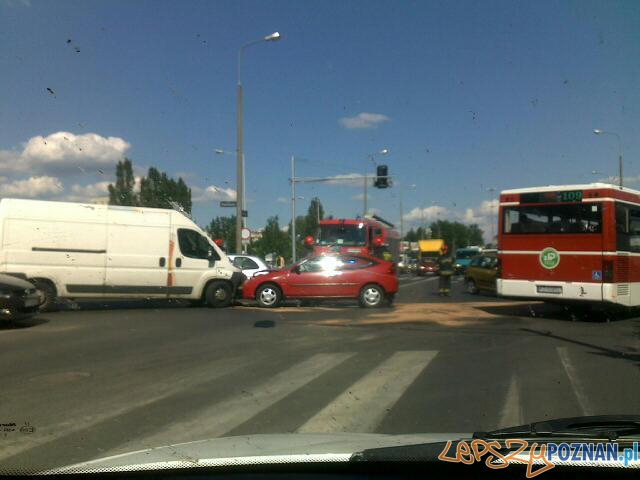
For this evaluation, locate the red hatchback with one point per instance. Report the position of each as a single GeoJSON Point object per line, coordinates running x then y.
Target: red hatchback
{"type": "Point", "coordinates": [370, 280]}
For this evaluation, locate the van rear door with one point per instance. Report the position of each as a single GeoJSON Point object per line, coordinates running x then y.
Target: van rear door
{"type": "Point", "coordinates": [137, 253]}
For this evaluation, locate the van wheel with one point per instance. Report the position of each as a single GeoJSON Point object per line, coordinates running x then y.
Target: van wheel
{"type": "Point", "coordinates": [268, 296]}
{"type": "Point", "coordinates": [371, 296]}
{"type": "Point", "coordinates": [472, 288]}
{"type": "Point", "coordinates": [218, 294]}
{"type": "Point", "coordinates": [49, 293]}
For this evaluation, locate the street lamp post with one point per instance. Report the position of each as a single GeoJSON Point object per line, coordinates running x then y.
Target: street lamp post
{"type": "Point", "coordinates": [371, 156]}
{"type": "Point", "coordinates": [597, 131]}
{"type": "Point", "coordinates": [239, 138]}
{"type": "Point", "coordinates": [221, 151]}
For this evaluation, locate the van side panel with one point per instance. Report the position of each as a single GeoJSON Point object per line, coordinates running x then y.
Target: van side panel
{"type": "Point", "coordinates": [65, 245]}
{"type": "Point", "coordinates": [137, 253]}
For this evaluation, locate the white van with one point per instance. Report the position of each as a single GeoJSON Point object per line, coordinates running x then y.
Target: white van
{"type": "Point", "coordinates": [74, 250]}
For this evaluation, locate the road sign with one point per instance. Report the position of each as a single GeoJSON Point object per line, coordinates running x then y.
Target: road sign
{"type": "Point", "coordinates": [228, 204]}
{"type": "Point", "coordinates": [245, 213]}
{"type": "Point", "coordinates": [245, 234]}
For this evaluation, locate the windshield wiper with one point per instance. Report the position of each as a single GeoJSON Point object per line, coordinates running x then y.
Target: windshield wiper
{"type": "Point", "coordinates": [610, 427]}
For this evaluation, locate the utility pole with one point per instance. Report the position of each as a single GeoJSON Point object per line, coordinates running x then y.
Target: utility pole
{"type": "Point", "coordinates": [293, 209]}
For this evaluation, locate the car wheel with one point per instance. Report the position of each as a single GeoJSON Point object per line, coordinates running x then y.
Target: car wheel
{"type": "Point", "coordinates": [268, 296]}
{"type": "Point", "coordinates": [218, 295]}
{"type": "Point", "coordinates": [371, 296]}
{"type": "Point", "coordinates": [472, 288]}
{"type": "Point", "coordinates": [49, 292]}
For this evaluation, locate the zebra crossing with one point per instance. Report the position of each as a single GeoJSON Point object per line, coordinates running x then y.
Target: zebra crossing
{"type": "Point", "coordinates": [363, 405]}
{"type": "Point", "coordinates": [363, 391]}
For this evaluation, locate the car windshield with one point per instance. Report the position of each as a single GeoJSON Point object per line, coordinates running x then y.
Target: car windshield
{"type": "Point", "coordinates": [347, 235]}
{"type": "Point", "coordinates": [313, 227]}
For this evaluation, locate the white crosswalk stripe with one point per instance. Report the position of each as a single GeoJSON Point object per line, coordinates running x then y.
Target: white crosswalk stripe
{"type": "Point", "coordinates": [362, 406]}
{"type": "Point", "coordinates": [578, 388]}
{"type": "Point", "coordinates": [512, 411]}
{"type": "Point", "coordinates": [222, 417]}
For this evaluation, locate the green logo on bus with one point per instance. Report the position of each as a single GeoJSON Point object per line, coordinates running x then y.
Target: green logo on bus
{"type": "Point", "coordinates": [549, 258]}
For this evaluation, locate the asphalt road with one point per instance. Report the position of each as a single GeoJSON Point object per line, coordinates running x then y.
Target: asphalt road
{"type": "Point", "coordinates": [101, 379]}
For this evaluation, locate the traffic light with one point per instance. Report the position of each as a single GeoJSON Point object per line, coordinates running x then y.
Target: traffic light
{"type": "Point", "coordinates": [382, 171]}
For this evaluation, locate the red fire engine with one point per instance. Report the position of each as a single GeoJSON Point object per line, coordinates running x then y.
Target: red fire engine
{"type": "Point", "coordinates": [570, 243]}
{"type": "Point", "coordinates": [368, 235]}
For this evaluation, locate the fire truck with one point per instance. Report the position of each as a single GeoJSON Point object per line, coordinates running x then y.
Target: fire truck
{"type": "Point", "coordinates": [369, 235]}
{"type": "Point", "coordinates": [570, 243]}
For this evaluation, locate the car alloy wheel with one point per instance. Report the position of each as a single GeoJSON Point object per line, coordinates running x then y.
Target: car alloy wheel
{"type": "Point", "coordinates": [371, 296]}
{"type": "Point", "coordinates": [268, 296]}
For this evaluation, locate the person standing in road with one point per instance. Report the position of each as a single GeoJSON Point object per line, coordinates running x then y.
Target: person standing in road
{"type": "Point", "coordinates": [445, 267]}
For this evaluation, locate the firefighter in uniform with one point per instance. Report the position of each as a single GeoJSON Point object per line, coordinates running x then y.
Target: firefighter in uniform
{"type": "Point", "coordinates": [445, 267]}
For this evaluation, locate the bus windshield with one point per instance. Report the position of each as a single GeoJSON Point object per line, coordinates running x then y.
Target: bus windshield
{"type": "Point", "coordinates": [553, 219]}
{"type": "Point", "coordinates": [348, 235]}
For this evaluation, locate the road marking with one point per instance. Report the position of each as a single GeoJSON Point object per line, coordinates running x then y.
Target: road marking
{"type": "Point", "coordinates": [362, 406]}
{"type": "Point", "coordinates": [416, 282]}
{"type": "Point", "coordinates": [512, 410]}
{"type": "Point", "coordinates": [578, 388]}
{"type": "Point", "coordinates": [367, 337]}
{"type": "Point", "coordinates": [226, 415]}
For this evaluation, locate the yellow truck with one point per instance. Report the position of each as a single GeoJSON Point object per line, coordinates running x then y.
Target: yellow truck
{"type": "Point", "coordinates": [428, 253]}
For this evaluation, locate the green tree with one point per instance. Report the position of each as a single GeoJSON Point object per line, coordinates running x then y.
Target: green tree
{"type": "Point", "coordinates": [223, 228]}
{"type": "Point", "coordinates": [122, 192]}
{"type": "Point", "coordinates": [456, 234]}
{"type": "Point", "coordinates": [273, 240]}
{"type": "Point", "coordinates": [315, 213]}
{"type": "Point", "coordinates": [157, 190]}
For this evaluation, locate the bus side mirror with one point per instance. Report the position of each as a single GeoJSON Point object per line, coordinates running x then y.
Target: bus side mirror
{"type": "Point", "coordinates": [308, 241]}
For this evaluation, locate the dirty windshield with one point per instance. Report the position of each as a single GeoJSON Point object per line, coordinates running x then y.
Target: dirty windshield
{"type": "Point", "coordinates": [265, 219]}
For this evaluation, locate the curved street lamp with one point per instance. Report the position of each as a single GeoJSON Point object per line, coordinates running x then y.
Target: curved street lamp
{"type": "Point", "coordinates": [597, 131]}
{"type": "Point", "coordinates": [239, 135]}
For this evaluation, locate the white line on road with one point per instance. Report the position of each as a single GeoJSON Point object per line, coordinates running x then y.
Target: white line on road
{"type": "Point", "coordinates": [362, 406]}
{"type": "Point", "coordinates": [578, 388]}
{"type": "Point", "coordinates": [512, 410]}
{"type": "Point", "coordinates": [224, 416]}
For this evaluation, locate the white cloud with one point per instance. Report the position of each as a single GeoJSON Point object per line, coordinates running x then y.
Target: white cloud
{"type": "Point", "coordinates": [212, 193]}
{"type": "Point", "coordinates": [32, 187]}
{"type": "Point", "coordinates": [285, 228]}
{"type": "Point", "coordinates": [64, 152]}
{"type": "Point", "coordinates": [364, 120]}
{"type": "Point", "coordinates": [348, 179]}
{"type": "Point", "coordinates": [282, 200]}
{"type": "Point", "coordinates": [428, 214]}
{"type": "Point", "coordinates": [360, 196]}
{"type": "Point", "coordinates": [615, 180]}
{"type": "Point", "coordinates": [91, 193]}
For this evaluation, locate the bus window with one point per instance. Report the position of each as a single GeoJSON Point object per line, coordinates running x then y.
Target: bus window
{"type": "Point", "coordinates": [553, 219]}
{"type": "Point", "coordinates": [627, 228]}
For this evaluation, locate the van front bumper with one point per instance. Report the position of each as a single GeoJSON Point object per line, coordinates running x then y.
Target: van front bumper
{"type": "Point", "coordinates": [237, 280]}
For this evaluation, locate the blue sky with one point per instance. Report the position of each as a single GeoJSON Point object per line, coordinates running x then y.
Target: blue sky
{"type": "Point", "coordinates": [469, 95]}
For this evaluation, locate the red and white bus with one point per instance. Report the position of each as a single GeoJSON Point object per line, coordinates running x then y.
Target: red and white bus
{"type": "Point", "coordinates": [368, 235]}
{"type": "Point", "coordinates": [570, 243]}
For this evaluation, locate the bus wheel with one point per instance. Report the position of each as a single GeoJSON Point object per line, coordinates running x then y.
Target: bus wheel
{"type": "Point", "coordinates": [218, 294]}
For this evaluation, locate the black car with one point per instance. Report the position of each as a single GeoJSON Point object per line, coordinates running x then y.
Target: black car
{"type": "Point", "coordinates": [18, 298]}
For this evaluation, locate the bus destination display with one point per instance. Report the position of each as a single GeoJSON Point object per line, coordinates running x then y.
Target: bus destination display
{"type": "Point", "coordinates": [552, 197]}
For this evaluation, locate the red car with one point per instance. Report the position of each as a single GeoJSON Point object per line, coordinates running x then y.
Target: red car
{"type": "Point", "coordinates": [369, 279]}
{"type": "Point", "coordinates": [427, 265]}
